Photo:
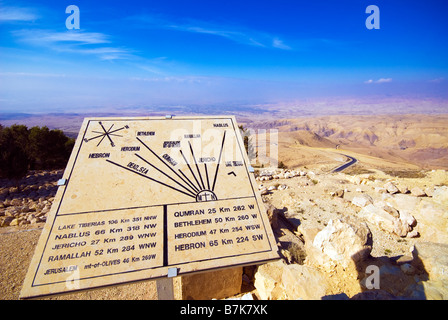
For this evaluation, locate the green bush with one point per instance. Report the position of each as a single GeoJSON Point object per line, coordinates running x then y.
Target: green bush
{"type": "Point", "coordinates": [22, 149]}
{"type": "Point", "coordinates": [14, 159]}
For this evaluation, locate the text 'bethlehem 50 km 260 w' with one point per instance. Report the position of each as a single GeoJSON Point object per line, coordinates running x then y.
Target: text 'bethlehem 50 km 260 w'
{"type": "Point", "coordinates": [140, 196]}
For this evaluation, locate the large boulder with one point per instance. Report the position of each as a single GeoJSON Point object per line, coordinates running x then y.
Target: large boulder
{"type": "Point", "coordinates": [391, 188]}
{"type": "Point", "coordinates": [379, 217]}
{"type": "Point", "coordinates": [434, 259]}
{"type": "Point", "coordinates": [280, 281]}
{"type": "Point", "coordinates": [432, 220]}
{"type": "Point", "coordinates": [440, 195]}
{"type": "Point", "coordinates": [342, 242]}
{"type": "Point", "coordinates": [362, 200]}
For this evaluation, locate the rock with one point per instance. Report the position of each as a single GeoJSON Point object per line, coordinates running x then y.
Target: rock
{"type": "Point", "coordinates": [429, 191]}
{"type": "Point", "coordinates": [433, 290]}
{"type": "Point", "coordinates": [392, 211]}
{"type": "Point", "coordinates": [11, 212]}
{"type": "Point", "coordinates": [434, 258]}
{"type": "Point", "coordinates": [279, 281]}
{"type": "Point", "coordinates": [24, 209]}
{"type": "Point", "coordinates": [362, 201]}
{"type": "Point", "coordinates": [268, 281]}
{"type": "Point", "coordinates": [16, 202]}
{"type": "Point", "coordinates": [432, 218]}
{"type": "Point", "coordinates": [379, 217]}
{"type": "Point", "coordinates": [391, 188]}
{"type": "Point", "coordinates": [440, 195]}
{"type": "Point", "coordinates": [413, 234]}
{"type": "Point", "coordinates": [343, 242]}
{"type": "Point", "coordinates": [6, 221]}
{"type": "Point", "coordinates": [13, 190]}
{"type": "Point", "coordinates": [403, 189]}
{"type": "Point", "coordinates": [380, 190]}
{"type": "Point", "coordinates": [339, 193]}
{"type": "Point", "coordinates": [303, 282]}
{"type": "Point", "coordinates": [282, 187]}
{"type": "Point", "coordinates": [407, 218]}
{"type": "Point", "coordinates": [288, 175]}
{"type": "Point", "coordinates": [273, 213]}
{"type": "Point", "coordinates": [417, 192]}
{"type": "Point", "coordinates": [400, 229]}
{"type": "Point", "coordinates": [356, 180]}
{"type": "Point", "coordinates": [14, 222]}
{"type": "Point", "coordinates": [271, 188]}
{"type": "Point", "coordinates": [402, 202]}
{"type": "Point", "coordinates": [408, 269]}
{"type": "Point", "coordinates": [264, 191]}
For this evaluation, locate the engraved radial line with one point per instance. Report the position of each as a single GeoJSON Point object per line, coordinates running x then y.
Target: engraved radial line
{"type": "Point", "coordinates": [196, 163]}
{"type": "Point", "coordinates": [140, 174]}
{"type": "Point", "coordinates": [192, 192]}
{"type": "Point", "coordinates": [95, 137]}
{"type": "Point", "coordinates": [101, 140]}
{"type": "Point", "coordinates": [190, 183]}
{"type": "Point", "coordinates": [116, 130]}
{"type": "Point", "coordinates": [162, 161]}
{"type": "Point", "coordinates": [107, 134]}
{"type": "Point", "coordinates": [191, 170]}
{"type": "Point", "coordinates": [219, 160]}
{"type": "Point", "coordinates": [206, 175]}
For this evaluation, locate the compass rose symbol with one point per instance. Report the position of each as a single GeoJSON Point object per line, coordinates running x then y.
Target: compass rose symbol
{"type": "Point", "coordinates": [106, 133]}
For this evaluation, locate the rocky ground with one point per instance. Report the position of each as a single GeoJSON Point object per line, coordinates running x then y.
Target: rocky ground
{"type": "Point", "coordinates": [334, 230]}
{"type": "Point", "coordinates": [28, 200]}
{"type": "Point", "coordinates": [350, 228]}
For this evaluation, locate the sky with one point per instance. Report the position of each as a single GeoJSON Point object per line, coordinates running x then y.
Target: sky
{"type": "Point", "coordinates": [132, 55]}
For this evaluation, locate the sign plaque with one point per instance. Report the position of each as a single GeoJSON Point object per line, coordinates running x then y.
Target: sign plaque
{"type": "Point", "coordinates": [142, 196]}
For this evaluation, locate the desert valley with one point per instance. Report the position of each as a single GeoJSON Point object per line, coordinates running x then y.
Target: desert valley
{"type": "Point", "coordinates": [389, 209]}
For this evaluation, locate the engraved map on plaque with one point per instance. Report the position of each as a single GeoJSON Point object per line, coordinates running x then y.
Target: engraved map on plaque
{"type": "Point", "coordinates": [142, 195]}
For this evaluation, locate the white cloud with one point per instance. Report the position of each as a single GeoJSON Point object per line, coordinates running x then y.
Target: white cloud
{"type": "Point", "coordinates": [277, 43]}
{"type": "Point", "coordinates": [234, 33]}
{"type": "Point", "coordinates": [437, 80]}
{"type": "Point", "coordinates": [38, 36]}
{"type": "Point", "coordinates": [384, 80]}
{"type": "Point", "coordinates": [76, 41]}
{"type": "Point", "coordinates": [9, 14]}
{"type": "Point", "coordinates": [381, 80]}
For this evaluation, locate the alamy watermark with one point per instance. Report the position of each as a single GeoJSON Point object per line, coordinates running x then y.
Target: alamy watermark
{"type": "Point", "coordinates": [373, 20]}
{"type": "Point", "coordinates": [373, 280]}
{"type": "Point", "coordinates": [73, 20]}
{"type": "Point", "coordinates": [261, 146]}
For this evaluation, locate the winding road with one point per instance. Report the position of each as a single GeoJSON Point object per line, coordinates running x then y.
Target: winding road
{"type": "Point", "coordinates": [345, 165]}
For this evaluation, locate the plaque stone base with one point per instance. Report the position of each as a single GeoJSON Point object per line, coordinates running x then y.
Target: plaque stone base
{"type": "Point", "coordinates": [209, 285]}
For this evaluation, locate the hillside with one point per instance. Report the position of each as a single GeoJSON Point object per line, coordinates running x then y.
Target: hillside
{"type": "Point", "coordinates": [420, 140]}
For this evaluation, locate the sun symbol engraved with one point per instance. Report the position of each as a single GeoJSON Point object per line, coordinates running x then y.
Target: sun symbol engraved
{"type": "Point", "coordinates": [106, 133]}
